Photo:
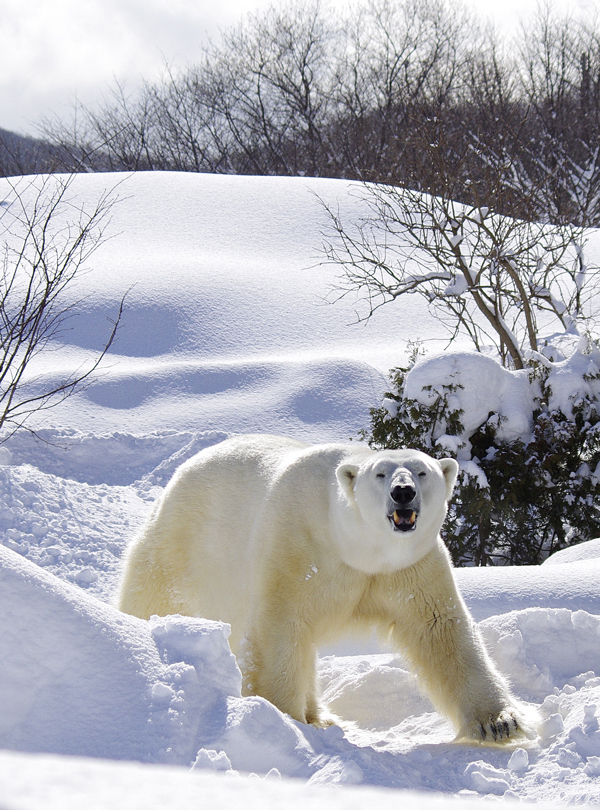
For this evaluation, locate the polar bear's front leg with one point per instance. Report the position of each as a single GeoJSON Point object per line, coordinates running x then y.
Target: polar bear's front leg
{"type": "Point", "coordinates": [281, 667]}
{"type": "Point", "coordinates": [439, 636]}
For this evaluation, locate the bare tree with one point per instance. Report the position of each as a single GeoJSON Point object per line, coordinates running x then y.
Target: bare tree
{"type": "Point", "coordinates": [499, 280]}
{"type": "Point", "coordinates": [416, 93]}
{"type": "Point", "coordinates": [560, 82]}
{"type": "Point", "coordinates": [270, 82]}
{"type": "Point", "coordinates": [397, 72]}
{"type": "Point", "coordinates": [46, 237]}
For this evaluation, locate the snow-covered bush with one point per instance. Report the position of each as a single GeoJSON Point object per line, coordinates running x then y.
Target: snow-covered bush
{"type": "Point", "coordinates": [528, 444]}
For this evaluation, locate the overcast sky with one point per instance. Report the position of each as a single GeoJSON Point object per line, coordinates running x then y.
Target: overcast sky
{"type": "Point", "coordinates": [53, 51]}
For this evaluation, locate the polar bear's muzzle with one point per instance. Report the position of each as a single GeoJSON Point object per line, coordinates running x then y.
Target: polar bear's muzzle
{"type": "Point", "coordinates": [404, 510]}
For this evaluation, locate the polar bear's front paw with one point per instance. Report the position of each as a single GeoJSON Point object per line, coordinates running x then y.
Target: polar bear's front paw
{"type": "Point", "coordinates": [497, 728]}
{"type": "Point", "coordinates": [322, 718]}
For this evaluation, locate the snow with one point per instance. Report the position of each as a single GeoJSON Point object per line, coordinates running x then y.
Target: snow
{"type": "Point", "coordinates": [584, 551]}
{"type": "Point", "coordinates": [226, 330]}
{"type": "Point", "coordinates": [507, 393]}
{"type": "Point", "coordinates": [569, 378]}
{"type": "Point", "coordinates": [478, 388]}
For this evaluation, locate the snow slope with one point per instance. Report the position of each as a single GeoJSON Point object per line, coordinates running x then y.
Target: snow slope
{"type": "Point", "coordinates": [226, 312]}
{"type": "Point", "coordinates": [226, 331]}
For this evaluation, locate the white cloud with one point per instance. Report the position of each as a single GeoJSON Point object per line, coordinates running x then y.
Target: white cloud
{"type": "Point", "coordinates": [55, 50]}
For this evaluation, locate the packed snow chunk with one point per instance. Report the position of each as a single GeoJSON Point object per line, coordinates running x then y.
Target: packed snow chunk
{"type": "Point", "coordinates": [211, 760]}
{"type": "Point", "coordinates": [201, 643]}
{"type": "Point", "coordinates": [258, 737]}
{"type": "Point", "coordinates": [85, 576]}
{"type": "Point", "coordinates": [459, 375]}
{"type": "Point", "coordinates": [200, 675]}
{"type": "Point", "coordinates": [519, 760]}
{"type": "Point", "coordinates": [551, 726]}
{"type": "Point", "coordinates": [485, 778]}
{"type": "Point", "coordinates": [593, 766]}
{"type": "Point", "coordinates": [590, 550]}
{"type": "Point", "coordinates": [585, 735]}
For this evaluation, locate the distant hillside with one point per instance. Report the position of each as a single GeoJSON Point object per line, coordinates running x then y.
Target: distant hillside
{"type": "Point", "coordinates": [20, 154]}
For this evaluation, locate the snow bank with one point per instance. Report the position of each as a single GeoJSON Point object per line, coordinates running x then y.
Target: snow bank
{"type": "Point", "coordinates": [500, 589]}
{"type": "Point", "coordinates": [79, 677]}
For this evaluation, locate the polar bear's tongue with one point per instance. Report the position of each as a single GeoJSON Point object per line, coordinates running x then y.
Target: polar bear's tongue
{"type": "Point", "coordinates": [404, 519]}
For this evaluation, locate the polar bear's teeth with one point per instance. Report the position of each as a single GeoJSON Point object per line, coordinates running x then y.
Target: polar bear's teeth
{"type": "Point", "coordinates": [404, 519]}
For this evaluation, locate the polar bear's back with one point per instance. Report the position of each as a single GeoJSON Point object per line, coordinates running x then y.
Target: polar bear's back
{"type": "Point", "coordinates": [199, 552]}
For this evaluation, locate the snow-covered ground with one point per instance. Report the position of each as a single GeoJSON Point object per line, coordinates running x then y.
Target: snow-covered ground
{"type": "Point", "coordinates": [226, 330]}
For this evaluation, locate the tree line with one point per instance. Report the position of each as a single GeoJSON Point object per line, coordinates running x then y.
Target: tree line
{"type": "Point", "coordinates": [417, 93]}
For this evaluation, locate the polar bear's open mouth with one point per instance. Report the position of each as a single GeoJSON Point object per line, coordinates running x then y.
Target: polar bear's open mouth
{"type": "Point", "coordinates": [403, 520]}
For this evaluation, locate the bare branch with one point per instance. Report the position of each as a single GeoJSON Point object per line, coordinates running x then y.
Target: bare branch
{"type": "Point", "coordinates": [473, 267]}
{"type": "Point", "coordinates": [46, 238]}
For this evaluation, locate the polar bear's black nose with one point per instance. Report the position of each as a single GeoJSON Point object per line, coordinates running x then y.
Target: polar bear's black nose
{"type": "Point", "coordinates": [403, 494]}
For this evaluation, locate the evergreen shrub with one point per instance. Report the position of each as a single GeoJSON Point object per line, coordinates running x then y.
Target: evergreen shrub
{"type": "Point", "coordinates": [515, 502]}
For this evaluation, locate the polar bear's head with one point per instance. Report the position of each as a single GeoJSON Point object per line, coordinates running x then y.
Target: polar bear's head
{"type": "Point", "coordinates": [396, 503]}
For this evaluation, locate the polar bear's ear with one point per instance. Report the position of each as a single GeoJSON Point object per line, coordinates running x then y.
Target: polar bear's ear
{"type": "Point", "coordinates": [450, 470]}
{"type": "Point", "coordinates": [346, 475]}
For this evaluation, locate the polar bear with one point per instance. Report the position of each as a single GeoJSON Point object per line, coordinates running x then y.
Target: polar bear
{"type": "Point", "coordinates": [294, 545]}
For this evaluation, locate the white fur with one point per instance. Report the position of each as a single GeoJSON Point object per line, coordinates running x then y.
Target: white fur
{"type": "Point", "coordinates": [292, 545]}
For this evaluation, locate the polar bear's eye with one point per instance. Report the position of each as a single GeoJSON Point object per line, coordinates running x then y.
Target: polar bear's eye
{"type": "Point", "coordinates": [380, 475]}
{"type": "Point", "coordinates": [422, 474]}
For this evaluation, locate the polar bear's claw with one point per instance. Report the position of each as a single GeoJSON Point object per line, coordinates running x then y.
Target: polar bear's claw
{"type": "Point", "coordinates": [500, 728]}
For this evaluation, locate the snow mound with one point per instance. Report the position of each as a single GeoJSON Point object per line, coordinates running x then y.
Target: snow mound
{"type": "Point", "coordinates": [589, 550]}
{"type": "Point", "coordinates": [312, 398]}
{"type": "Point", "coordinates": [83, 678]}
{"type": "Point", "coordinates": [500, 589]}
